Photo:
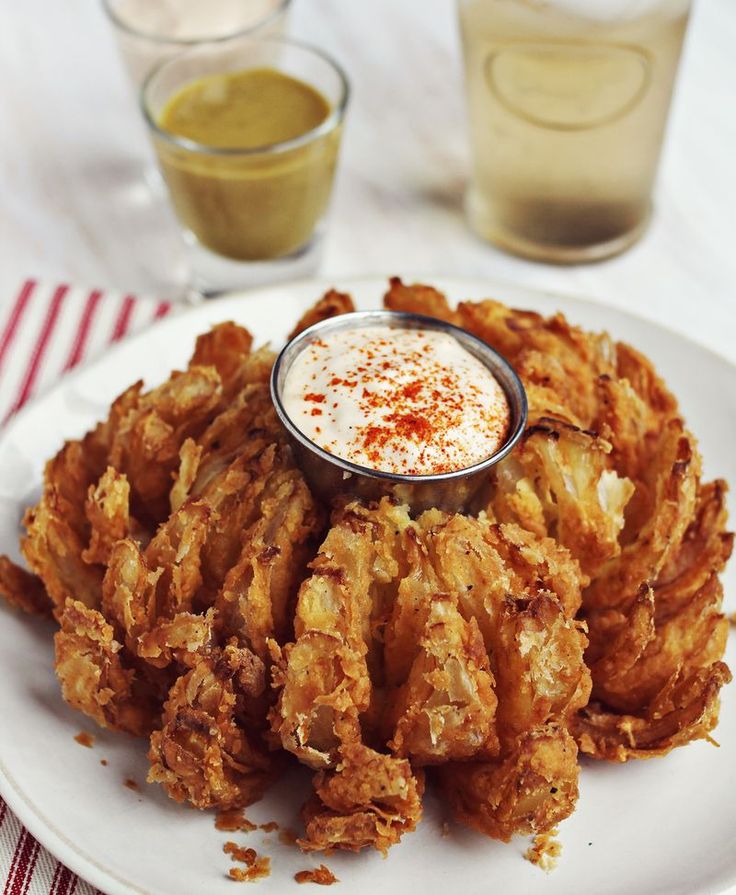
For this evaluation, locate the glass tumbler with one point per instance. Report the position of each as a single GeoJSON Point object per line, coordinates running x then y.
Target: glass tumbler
{"type": "Point", "coordinates": [150, 31]}
{"type": "Point", "coordinates": [567, 105]}
{"type": "Point", "coordinates": [252, 215]}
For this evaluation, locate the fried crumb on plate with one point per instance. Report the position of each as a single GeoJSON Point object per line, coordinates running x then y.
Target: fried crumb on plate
{"type": "Point", "coordinates": [321, 875]}
{"type": "Point", "coordinates": [131, 784]}
{"type": "Point", "coordinates": [84, 739]}
{"type": "Point", "coordinates": [239, 853]}
{"type": "Point", "coordinates": [260, 870]}
{"type": "Point", "coordinates": [544, 850]}
{"type": "Point", "coordinates": [258, 866]}
{"type": "Point", "coordinates": [233, 820]}
{"type": "Point", "coordinates": [103, 762]}
{"type": "Point", "coordinates": [268, 827]}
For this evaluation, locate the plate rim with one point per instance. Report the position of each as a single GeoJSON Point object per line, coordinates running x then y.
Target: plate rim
{"type": "Point", "coordinates": [321, 283]}
{"type": "Point", "coordinates": [31, 816]}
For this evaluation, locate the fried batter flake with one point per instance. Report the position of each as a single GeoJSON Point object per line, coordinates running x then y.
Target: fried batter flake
{"type": "Point", "coordinates": [94, 679]}
{"type": "Point", "coordinates": [23, 590]}
{"type": "Point", "coordinates": [202, 754]}
{"type": "Point", "coordinates": [370, 799]}
{"type": "Point", "coordinates": [332, 304]}
{"type": "Point", "coordinates": [323, 677]}
{"type": "Point", "coordinates": [447, 708]}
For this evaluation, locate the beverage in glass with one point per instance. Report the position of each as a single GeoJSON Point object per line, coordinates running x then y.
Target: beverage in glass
{"type": "Point", "coordinates": [567, 105]}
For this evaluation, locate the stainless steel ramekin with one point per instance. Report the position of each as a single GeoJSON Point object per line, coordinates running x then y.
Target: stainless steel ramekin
{"type": "Point", "coordinates": [330, 476]}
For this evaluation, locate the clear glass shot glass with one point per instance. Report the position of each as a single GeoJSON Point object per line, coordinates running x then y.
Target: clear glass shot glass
{"type": "Point", "coordinates": [253, 215]}
{"type": "Point", "coordinates": [151, 31]}
{"type": "Point", "coordinates": [567, 106]}
{"type": "Point", "coordinates": [148, 32]}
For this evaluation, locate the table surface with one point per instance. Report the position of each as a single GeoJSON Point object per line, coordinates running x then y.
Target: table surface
{"type": "Point", "coordinates": [73, 147]}
{"type": "Point", "coordinates": [75, 208]}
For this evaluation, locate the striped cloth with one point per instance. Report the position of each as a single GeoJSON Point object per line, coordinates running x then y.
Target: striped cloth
{"type": "Point", "coordinates": [45, 331]}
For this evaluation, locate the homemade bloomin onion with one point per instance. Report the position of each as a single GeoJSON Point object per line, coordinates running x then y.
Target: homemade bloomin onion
{"type": "Point", "coordinates": [207, 601]}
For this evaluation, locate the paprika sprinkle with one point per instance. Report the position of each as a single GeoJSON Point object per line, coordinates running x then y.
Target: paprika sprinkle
{"type": "Point", "coordinates": [405, 401]}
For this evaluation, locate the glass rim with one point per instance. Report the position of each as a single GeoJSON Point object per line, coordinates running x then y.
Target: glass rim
{"type": "Point", "coordinates": [332, 121]}
{"type": "Point", "coordinates": [185, 42]}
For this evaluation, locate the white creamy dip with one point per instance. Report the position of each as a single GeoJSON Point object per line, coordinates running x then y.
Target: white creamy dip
{"type": "Point", "coordinates": [406, 401]}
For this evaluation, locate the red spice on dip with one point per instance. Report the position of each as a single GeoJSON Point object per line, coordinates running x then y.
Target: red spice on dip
{"type": "Point", "coordinates": [404, 401]}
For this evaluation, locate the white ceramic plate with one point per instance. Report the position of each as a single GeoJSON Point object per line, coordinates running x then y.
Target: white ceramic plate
{"type": "Point", "coordinates": [663, 826]}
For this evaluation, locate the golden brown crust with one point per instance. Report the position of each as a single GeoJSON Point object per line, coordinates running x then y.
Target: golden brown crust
{"type": "Point", "coordinates": [369, 800]}
{"type": "Point", "coordinates": [332, 304]}
{"type": "Point", "coordinates": [93, 676]}
{"type": "Point", "coordinates": [446, 710]}
{"type": "Point", "coordinates": [23, 590]}
{"type": "Point", "coordinates": [321, 875]}
{"type": "Point", "coordinates": [530, 791]}
{"type": "Point", "coordinates": [608, 469]}
{"type": "Point", "coordinates": [226, 348]}
{"type": "Point", "coordinates": [418, 299]}
{"type": "Point", "coordinates": [202, 754]}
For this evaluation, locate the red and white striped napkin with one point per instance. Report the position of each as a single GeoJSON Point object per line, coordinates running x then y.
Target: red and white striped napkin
{"type": "Point", "coordinates": [46, 330]}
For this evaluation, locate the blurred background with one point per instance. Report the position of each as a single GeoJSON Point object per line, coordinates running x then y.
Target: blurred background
{"type": "Point", "coordinates": [74, 207]}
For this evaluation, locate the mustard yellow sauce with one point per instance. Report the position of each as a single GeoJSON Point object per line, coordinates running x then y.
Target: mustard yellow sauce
{"type": "Point", "coordinates": [253, 205]}
{"type": "Point", "coordinates": [244, 109]}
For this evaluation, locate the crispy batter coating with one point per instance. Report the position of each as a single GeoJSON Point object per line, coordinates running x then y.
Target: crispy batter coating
{"type": "Point", "coordinates": [108, 512]}
{"type": "Point", "coordinates": [181, 489]}
{"type": "Point", "coordinates": [560, 364]}
{"type": "Point", "coordinates": [146, 444]}
{"type": "Point", "coordinates": [530, 791]}
{"type": "Point", "coordinates": [202, 754]}
{"type": "Point", "coordinates": [656, 663]}
{"type": "Point", "coordinates": [226, 347]}
{"type": "Point", "coordinates": [474, 643]}
{"type": "Point", "coordinates": [23, 590]}
{"type": "Point", "coordinates": [257, 595]}
{"type": "Point", "coordinates": [323, 678]}
{"type": "Point", "coordinates": [663, 511]}
{"type": "Point", "coordinates": [94, 678]}
{"type": "Point", "coordinates": [705, 548]}
{"type": "Point", "coordinates": [332, 304]}
{"type": "Point", "coordinates": [608, 469]}
{"type": "Point", "coordinates": [561, 483]}
{"type": "Point", "coordinates": [488, 564]}
{"type": "Point", "coordinates": [686, 710]}
{"type": "Point", "coordinates": [143, 588]}
{"type": "Point", "coordinates": [190, 455]}
{"type": "Point", "coordinates": [58, 531]}
{"type": "Point", "coordinates": [523, 591]}
{"type": "Point", "coordinates": [446, 710]}
{"type": "Point", "coordinates": [370, 800]}
{"type": "Point", "coordinates": [418, 299]}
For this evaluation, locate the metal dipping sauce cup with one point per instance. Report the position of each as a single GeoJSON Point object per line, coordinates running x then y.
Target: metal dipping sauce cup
{"type": "Point", "coordinates": [329, 475]}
